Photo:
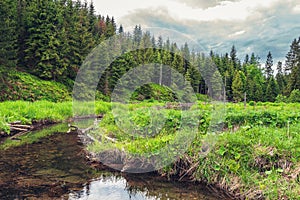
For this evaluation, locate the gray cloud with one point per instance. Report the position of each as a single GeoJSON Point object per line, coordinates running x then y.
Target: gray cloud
{"type": "Point", "coordinates": [267, 29]}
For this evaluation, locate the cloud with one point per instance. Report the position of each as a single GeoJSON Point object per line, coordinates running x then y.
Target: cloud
{"type": "Point", "coordinates": [297, 8]}
{"type": "Point", "coordinates": [268, 25]}
{"type": "Point", "coordinates": [237, 33]}
{"type": "Point", "coordinates": [202, 3]}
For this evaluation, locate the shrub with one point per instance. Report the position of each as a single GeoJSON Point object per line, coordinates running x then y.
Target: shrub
{"type": "Point", "coordinates": [295, 96]}
{"type": "Point", "coordinates": [281, 98]}
{"type": "Point", "coordinates": [252, 103]}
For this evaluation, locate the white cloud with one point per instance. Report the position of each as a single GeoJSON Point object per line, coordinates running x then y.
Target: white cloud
{"type": "Point", "coordinates": [297, 8]}
{"type": "Point", "coordinates": [237, 33]}
{"type": "Point", "coordinates": [186, 9]}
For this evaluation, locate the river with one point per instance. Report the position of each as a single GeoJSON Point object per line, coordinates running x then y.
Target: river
{"type": "Point", "coordinates": [55, 168]}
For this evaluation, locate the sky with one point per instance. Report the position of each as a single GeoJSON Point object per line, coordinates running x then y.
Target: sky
{"type": "Point", "coordinates": [256, 26]}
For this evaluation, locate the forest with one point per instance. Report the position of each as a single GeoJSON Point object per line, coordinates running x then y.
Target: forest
{"type": "Point", "coordinates": [246, 148]}
{"type": "Point", "coordinates": [54, 45]}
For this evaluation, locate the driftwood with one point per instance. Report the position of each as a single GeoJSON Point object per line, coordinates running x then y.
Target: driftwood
{"type": "Point", "coordinates": [188, 171]}
{"type": "Point", "coordinates": [88, 117]}
{"type": "Point", "coordinates": [84, 133]}
{"type": "Point", "coordinates": [17, 129]}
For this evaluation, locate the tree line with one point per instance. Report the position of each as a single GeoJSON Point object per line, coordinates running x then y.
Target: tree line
{"type": "Point", "coordinates": [51, 39]}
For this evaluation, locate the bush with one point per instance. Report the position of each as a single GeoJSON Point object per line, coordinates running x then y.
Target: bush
{"type": "Point", "coordinates": [281, 98]}
{"type": "Point", "coordinates": [154, 92]}
{"type": "Point", "coordinates": [202, 97]}
{"type": "Point", "coordinates": [252, 103]}
{"type": "Point", "coordinates": [295, 96]}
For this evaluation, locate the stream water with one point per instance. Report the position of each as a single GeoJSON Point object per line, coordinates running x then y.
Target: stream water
{"type": "Point", "coordinates": [55, 168]}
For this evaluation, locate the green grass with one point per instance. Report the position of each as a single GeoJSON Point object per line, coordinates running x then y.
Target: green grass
{"type": "Point", "coordinates": [15, 85]}
{"type": "Point", "coordinates": [258, 151]}
{"type": "Point", "coordinates": [265, 159]}
{"type": "Point", "coordinates": [27, 112]}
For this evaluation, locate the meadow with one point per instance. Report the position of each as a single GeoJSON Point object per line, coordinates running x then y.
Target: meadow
{"type": "Point", "coordinates": [255, 151]}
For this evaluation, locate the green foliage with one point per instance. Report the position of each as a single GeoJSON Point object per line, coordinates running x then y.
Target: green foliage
{"type": "Point", "coordinates": [261, 143]}
{"type": "Point", "coordinates": [155, 92]}
{"type": "Point", "coordinates": [281, 98]}
{"type": "Point", "coordinates": [202, 97]}
{"type": "Point", "coordinates": [238, 87]}
{"type": "Point", "coordinates": [272, 90]}
{"type": "Point", "coordinates": [259, 153]}
{"type": "Point", "coordinates": [22, 86]}
{"type": "Point", "coordinates": [266, 114]}
{"type": "Point", "coordinates": [295, 96]}
{"type": "Point", "coordinates": [8, 33]}
{"type": "Point", "coordinates": [27, 112]}
{"type": "Point", "coordinates": [51, 39]}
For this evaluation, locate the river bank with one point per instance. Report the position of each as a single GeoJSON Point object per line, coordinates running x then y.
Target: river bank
{"type": "Point", "coordinates": [255, 157]}
{"type": "Point", "coordinates": [54, 167]}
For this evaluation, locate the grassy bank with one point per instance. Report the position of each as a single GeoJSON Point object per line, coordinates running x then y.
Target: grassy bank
{"type": "Point", "coordinates": [16, 85]}
{"type": "Point", "coordinates": [256, 155]}
{"type": "Point", "coordinates": [28, 112]}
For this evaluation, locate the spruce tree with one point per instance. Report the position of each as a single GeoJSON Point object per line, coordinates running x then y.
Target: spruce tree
{"type": "Point", "coordinates": [272, 90]}
{"type": "Point", "coordinates": [42, 52]}
{"type": "Point", "coordinates": [237, 87]}
{"type": "Point", "coordinates": [293, 56]}
{"type": "Point", "coordinates": [234, 59]}
{"type": "Point", "coordinates": [280, 78]}
{"type": "Point", "coordinates": [268, 66]}
{"type": "Point", "coordinates": [8, 33]}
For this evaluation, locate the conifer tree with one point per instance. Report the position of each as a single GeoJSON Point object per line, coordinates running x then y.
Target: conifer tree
{"type": "Point", "coordinates": [42, 52]}
{"type": "Point", "coordinates": [237, 87]}
{"type": "Point", "coordinates": [272, 90]}
{"type": "Point", "coordinates": [8, 33]}
{"type": "Point", "coordinates": [280, 78]}
{"type": "Point", "coordinates": [268, 66]}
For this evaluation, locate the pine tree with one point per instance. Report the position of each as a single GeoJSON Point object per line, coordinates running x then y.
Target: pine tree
{"type": "Point", "coordinates": [280, 78]}
{"type": "Point", "coordinates": [294, 79]}
{"type": "Point", "coordinates": [237, 87]}
{"type": "Point", "coordinates": [8, 33]}
{"type": "Point", "coordinates": [254, 83]}
{"type": "Point", "coordinates": [22, 33]}
{"type": "Point", "coordinates": [292, 67]}
{"type": "Point", "coordinates": [137, 35]}
{"type": "Point", "coordinates": [247, 60]}
{"type": "Point", "coordinates": [254, 60]}
{"type": "Point", "coordinates": [121, 29]}
{"type": "Point", "coordinates": [42, 52]}
{"type": "Point", "coordinates": [268, 66]}
{"type": "Point", "coordinates": [293, 56]}
{"type": "Point", "coordinates": [272, 90]}
{"type": "Point", "coordinates": [186, 55]}
{"type": "Point", "coordinates": [234, 59]}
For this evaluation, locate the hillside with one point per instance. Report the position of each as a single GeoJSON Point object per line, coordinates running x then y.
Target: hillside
{"type": "Point", "coordinates": [16, 85]}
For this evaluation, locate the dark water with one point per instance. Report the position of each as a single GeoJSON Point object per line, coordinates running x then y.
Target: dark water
{"type": "Point", "coordinates": [55, 168]}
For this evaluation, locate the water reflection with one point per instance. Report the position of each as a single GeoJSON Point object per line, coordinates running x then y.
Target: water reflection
{"type": "Point", "coordinates": [143, 187]}
{"type": "Point", "coordinates": [55, 168]}
{"type": "Point", "coordinates": [114, 189]}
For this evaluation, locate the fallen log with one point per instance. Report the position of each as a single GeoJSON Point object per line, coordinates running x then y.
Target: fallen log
{"type": "Point", "coordinates": [17, 129]}
{"type": "Point", "coordinates": [21, 126]}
